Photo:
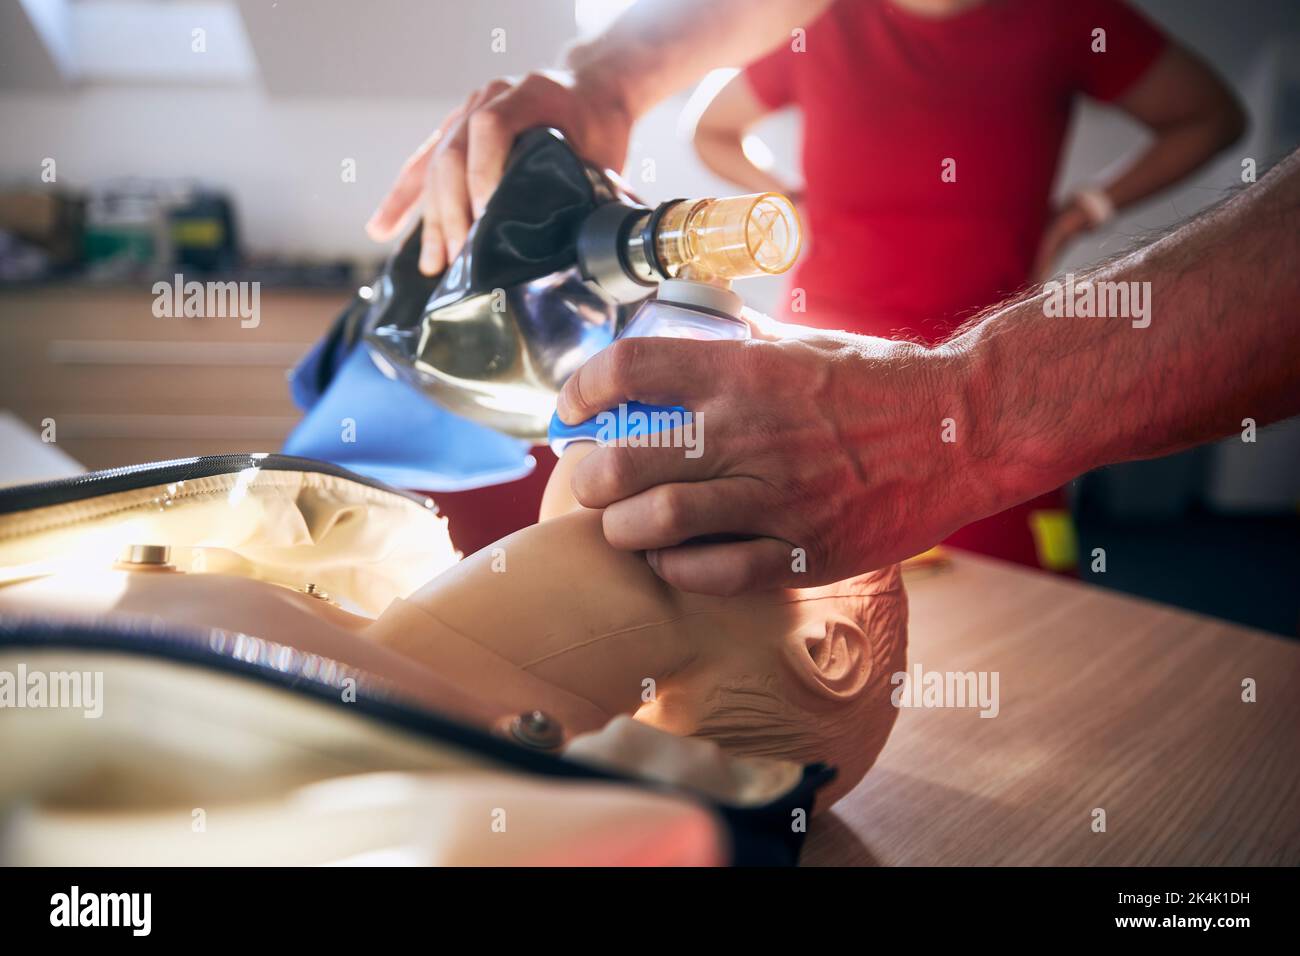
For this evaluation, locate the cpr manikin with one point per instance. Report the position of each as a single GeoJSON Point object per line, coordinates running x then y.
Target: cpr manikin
{"type": "Point", "coordinates": [552, 618]}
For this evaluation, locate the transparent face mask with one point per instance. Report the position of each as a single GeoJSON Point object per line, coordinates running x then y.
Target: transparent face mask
{"type": "Point", "coordinates": [549, 275]}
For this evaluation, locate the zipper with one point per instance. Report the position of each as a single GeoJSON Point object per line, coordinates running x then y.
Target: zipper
{"type": "Point", "coordinates": [131, 477]}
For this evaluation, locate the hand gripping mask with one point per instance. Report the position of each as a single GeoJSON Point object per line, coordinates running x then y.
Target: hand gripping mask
{"type": "Point", "coordinates": [495, 336]}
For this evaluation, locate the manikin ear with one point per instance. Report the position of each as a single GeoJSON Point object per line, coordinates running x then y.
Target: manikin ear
{"type": "Point", "coordinates": [836, 662]}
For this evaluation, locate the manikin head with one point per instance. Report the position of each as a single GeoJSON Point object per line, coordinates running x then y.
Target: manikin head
{"type": "Point", "coordinates": [800, 675]}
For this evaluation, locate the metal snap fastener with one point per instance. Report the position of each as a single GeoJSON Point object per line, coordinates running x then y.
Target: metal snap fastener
{"type": "Point", "coordinates": [146, 557]}
{"type": "Point", "coordinates": [538, 730]}
{"type": "Point", "coordinates": [312, 591]}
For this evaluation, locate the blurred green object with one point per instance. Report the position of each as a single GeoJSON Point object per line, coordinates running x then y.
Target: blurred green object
{"type": "Point", "coordinates": [125, 229]}
{"type": "Point", "coordinates": [119, 242]}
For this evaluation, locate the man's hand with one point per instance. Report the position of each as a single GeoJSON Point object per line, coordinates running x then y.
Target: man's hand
{"type": "Point", "coordinates": [651, 51]}
{"type": "Point", "coordinates": [824, 455]}
{"type": "Point", "coordinates": [450, 177]}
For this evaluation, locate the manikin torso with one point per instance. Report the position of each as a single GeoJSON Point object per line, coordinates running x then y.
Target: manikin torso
{"type": "Point", "coordinates": [552, 618]}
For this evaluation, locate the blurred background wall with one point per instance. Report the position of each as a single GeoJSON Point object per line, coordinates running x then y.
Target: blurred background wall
{"type": "Point", "coordinates": [287, 91]}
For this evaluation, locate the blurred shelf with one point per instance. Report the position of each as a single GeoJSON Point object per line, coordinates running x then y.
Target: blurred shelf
{"type": "Point", "coordinates": [124, 386]}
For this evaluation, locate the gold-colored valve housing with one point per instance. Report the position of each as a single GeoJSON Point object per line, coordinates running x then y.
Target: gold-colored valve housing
{"type": "Point", "coordinates": [729, 238]}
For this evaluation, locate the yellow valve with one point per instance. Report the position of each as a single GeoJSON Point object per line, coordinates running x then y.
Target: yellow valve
{"type": "Point", "coordinates": [728, 238]}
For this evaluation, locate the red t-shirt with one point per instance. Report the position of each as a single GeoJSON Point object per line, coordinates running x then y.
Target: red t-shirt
{"type": "Point", "coordinates": [887, 97]}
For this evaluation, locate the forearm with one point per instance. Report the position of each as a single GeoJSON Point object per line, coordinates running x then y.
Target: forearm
{"type": "Point", "coordinates": [1052, 397]}
{"type": "Point", "coordinates": [722, 151]}
{"type": "Point", "coordinates": [1192, 114]}
{"type": "Point", "coordinates": [1176, 152]}
{"type": "Point", "coordinates": [657, 48]}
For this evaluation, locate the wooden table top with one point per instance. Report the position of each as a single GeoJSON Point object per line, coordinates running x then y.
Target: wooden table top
{"type": "Point", "coordinates": [1106, 701]}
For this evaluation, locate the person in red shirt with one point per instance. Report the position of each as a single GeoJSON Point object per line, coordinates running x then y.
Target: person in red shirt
{"type": "Point", "coordinates": [932, 134]}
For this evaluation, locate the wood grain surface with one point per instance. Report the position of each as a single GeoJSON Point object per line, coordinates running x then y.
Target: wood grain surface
{"type": "Point", "coordinates": [1106, 702]}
